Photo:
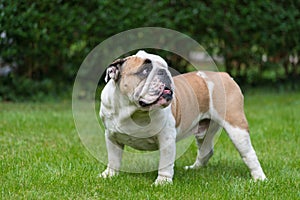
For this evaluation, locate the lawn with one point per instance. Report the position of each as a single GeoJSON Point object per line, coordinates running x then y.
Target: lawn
{"type": "Point", "coordinates": [42, 158]}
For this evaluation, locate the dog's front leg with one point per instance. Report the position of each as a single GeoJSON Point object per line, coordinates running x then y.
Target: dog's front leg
{"type": "Point", "coordinates": [114, 151]}
{"type": "Point", "coordinates": [167, 149]}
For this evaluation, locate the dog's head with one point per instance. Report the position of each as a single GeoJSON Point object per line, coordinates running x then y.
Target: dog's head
{"type": "Point", "coordinates": [144, 78]}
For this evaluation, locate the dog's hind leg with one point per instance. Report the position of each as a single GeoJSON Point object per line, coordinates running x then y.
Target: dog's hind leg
{"type": "Point", "coordinates": [241, 140]}
{"type": "Point", "coordinates": [205, 142]}
{"type": "Point", "coordinates": [228, 110]}
{"type": "Point", "coordinates": [236, 125]}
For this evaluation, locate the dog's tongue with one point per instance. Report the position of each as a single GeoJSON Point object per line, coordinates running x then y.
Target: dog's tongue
{"type": "Point", "coordinates": [167, 91]}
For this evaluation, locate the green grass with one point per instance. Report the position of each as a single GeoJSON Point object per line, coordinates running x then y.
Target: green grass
{"type": "Point", "coordinates": [41, 157]}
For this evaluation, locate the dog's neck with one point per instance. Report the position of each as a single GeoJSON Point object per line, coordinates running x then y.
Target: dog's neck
{"type": "Point", "coordinates": [141, 118]}
{"type": "Point", "coordinates": [129, 118]}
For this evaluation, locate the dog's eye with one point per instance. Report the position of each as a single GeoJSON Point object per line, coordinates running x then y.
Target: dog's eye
{"type": "Point", "coordinates": [145, 71]}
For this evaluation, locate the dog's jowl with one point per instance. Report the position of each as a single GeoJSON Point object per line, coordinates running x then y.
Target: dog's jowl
{"type": "Point", "coordinates": [196, 103]}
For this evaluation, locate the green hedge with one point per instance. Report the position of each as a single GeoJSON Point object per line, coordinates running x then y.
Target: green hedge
{"type": "Point", "coordinates": [49, 39]}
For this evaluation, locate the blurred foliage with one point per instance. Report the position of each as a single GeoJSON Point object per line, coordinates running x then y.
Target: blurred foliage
{"type": "Point", "coordinates": [47, 40]}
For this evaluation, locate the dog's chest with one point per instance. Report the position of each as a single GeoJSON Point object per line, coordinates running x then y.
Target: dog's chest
{"type": "Point", "coordinates": [140, 143]}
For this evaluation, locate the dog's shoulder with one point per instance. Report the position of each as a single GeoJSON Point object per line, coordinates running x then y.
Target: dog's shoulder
{"type": "Point", "coordinates": [191, 91]}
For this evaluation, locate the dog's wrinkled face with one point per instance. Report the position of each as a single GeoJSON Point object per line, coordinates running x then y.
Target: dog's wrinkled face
{"type": "Point", "coordinates": [146, 82]}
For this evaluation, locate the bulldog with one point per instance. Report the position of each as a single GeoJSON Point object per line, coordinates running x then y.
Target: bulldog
{"type": "Point", "coordinates": [144, 107]}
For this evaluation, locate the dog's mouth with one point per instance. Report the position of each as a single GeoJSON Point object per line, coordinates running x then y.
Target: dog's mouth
{"type": "Point", "coordinates": [164, 99]}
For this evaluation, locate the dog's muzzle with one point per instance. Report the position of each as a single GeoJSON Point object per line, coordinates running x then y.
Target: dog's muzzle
{"type": "Point", "coordinates": [158, 91]}
{"type": "Point", "coordinates": [163, 99]}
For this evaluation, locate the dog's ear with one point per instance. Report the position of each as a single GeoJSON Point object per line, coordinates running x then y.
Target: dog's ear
{"type": "Point", "coordinates": [114, 70]}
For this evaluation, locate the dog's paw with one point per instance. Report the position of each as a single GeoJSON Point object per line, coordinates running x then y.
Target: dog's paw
{"type": "Point", "coordinates": [162, 180]}
{"type": "Point", "coordinates": [258, 176]}
{"type": "Point", "coordinates": [196, 165]}
{"type": "Point", "coordinates": [191, 167]}
{"type": "Point", "coordinates": [108, 173]}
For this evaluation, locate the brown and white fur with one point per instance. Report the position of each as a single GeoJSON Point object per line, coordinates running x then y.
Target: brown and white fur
{"type": "Point", "coordinates": [202, 103]}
